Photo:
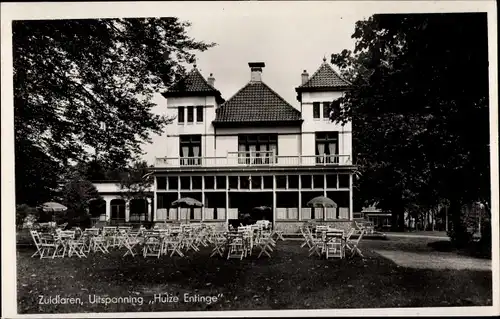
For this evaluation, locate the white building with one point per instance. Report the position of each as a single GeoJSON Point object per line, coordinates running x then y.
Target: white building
{"type": "Point", "coordinates": [255, 149]}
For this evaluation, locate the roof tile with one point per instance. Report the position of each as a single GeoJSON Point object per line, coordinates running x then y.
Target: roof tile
{"type": "Point", "coordinates": [325, 77]}
{"type": "Point", "coordinates": [193, 82]}
{"type": "Point", "coordinates": [256, 102]}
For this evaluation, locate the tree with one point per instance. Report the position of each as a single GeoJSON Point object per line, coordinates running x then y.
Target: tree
{"type": "Point", "coordinates": [136, 181]}
{"type": "Point", "coordinates": [419, 106]}
{"type": "Point", "coordinates": [83, 90]}
{"type": "Point", "coordinates": [77, 195]}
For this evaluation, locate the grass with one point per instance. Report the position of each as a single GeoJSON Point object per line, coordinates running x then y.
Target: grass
{"type": "Point", "coordinates": [289, 280]}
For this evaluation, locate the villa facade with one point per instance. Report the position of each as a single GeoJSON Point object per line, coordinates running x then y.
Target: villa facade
{"type": "Point", "coordinates": [255, 149]}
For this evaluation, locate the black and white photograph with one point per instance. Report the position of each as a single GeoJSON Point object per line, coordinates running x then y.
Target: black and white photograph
{"type": "Point", "coordinates": [255, 158]}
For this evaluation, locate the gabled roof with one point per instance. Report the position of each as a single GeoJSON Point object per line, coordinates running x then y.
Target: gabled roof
{"type": "Point", "coordinates": [256, 104]}
{"type": "Point", "coordinates": [193, 84]}
{"type": "Point", "coordinates": [324, 79]}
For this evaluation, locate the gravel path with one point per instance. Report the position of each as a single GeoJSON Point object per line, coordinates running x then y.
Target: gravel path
{"type": "Point", "coordinates": [435, 260]}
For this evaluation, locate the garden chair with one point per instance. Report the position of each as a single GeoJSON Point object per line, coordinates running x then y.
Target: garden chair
{"type": "Point", "coordinates": [38, 243]}
{"type": "Point", "coordinates": [77, 246]}
{"type": "Point", "coordinates": [220, 245]}
{"type": "Point", "coordinates": [278, 234]}
{"type": "Point", "coordinates": [264, 243]}
{"type": "Point", "coordinates": [334, 244]}
{"type": "Point", "coordinates": [177, 244]}
{"type": "Point", "coordinates": [317, 244]}
{"type": "Point", "coordinates": [307, 238]}
{"type": "Point", "coordinates": [152, 244]}
{"type": "Point", "coordinates": [60, 244]}
{"type": "Point", "coordinates": [237, 247]}
{"type": "Point", "coordinates": [109, 233]}
{"type": "Point", "coordinates": [352, 245]}
{"type": "Point", "coordinates": [129, 241]}
{"type": "Point", "coordinates": [99, 243]}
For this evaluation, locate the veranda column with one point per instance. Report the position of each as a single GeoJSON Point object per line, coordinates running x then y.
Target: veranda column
{"type": "Point", "coordinates": [203, 198]}
{"type": "Point", "coordinates": [155, 199]}
{"type": "Point", "coordinates": [108, 210]}
{"type": "Point", "coordinates": [300, 197]}
{"type": "Point", "coordinates": [351, 208]}
{"type": "Point", "coordinates": [324, 194]}
{"type": "Point", "coordinates": [227, 202]}
{"type": "Point", "coordinates": [148, 200]}
{"type": "Point", "coordinates": [274, 201]}
{"type": "Point", "coordinates": [127, 210]}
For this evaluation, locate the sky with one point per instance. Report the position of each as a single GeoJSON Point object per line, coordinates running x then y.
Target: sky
{"type": "Point", "coordinates": [288, 41]}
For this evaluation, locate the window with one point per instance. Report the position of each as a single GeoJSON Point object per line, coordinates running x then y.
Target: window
{"type": "Point", "coordinates": [256, 182]}
{"type": "Point", "coordinates": [196, 181]}
{"type": "Point", "coordinates": [161, 182]}
{"type": "Point", "coordinates": [316, 112]}
{"type": "Point", "coordinates": [281, 181]}
{"type": "Point", "coordinates": [244, 182]}
{"type": "Point", "coordinates": [305, 181]}
{"type": "Point", "coordinates": [257, 148]}
{"type": "Point", "coordinates": [293, 181]}
{"type": "Point", "coordinates": [190, 148]}
{"type": "Point", "coordinates": [343, 181]}
{"type": "Point", "coordinates": [268, 182]}
{"type": "Point", "coordinates": [233, 182]}
{"type": "Point", "coordinates": [173, 183]}
{"type": "Point", "coordinates": [209, 182]}
{"type": "Point", "coordinates": [180, 115]}
{"type": "Point", "coordinates": [331, 180]}
{"type": "Point", "coordinates": [327, 147]}
{"type": "Point", "coordinates": [326, 110]}
{"type": "Point", "coordinates": [221, 182]}
{"type": "Point", "coordinates": [199, 113]}
{"type": "Point", "coordinates": [190, 116]}
{"type": "Point", "coordinates": [185, 182]}
{"type": "Point", "coordinates": [318, 181]}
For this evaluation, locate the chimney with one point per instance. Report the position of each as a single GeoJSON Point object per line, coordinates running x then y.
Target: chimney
{"type": "Point", "coordinates": [211, 79]}
{"type": "Point", "coordinates": [256, 71]}
{"type": "Point", "coordinates": [305, 77]}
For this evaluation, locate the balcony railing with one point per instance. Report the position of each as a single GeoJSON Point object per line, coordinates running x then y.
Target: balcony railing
{"type": "Point", "coordinates": [246, 159]}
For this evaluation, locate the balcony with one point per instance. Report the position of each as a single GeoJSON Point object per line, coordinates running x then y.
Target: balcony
{"type": "Point", "coordinates": [254, 159]}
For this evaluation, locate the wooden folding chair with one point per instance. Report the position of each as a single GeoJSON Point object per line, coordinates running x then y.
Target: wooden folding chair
{"type": "Point", "coordinates": [352, 245]}
{"type": "Point", "coordinates": [264, 243]}
{"type": "Point", "coordinates": [236, 246]}
{"type": "Point", "coordinates": [307, 238]}
{"type": "Point", "coordinates": [130, 242]}
{"type": "Point", "coordinates": [38, 243]}
{"type": "Point", "coordinates": [333, 245]}
{"type": "Point", "coordinates": [77, 246]}
{"type": "Point", "coordinates": [220, 245]}
{"type": "Point", "coordinates": [177, 244]}
{"type": "Point", "coordinates": [152, 244]}
{"type": "Point", "coordinates": [99, 243]}
{"type": "Point", "coordinates": [317, 244]}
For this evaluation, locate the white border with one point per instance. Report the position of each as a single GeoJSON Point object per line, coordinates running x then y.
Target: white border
{"type": "Point", "coordinates": [22, 11]}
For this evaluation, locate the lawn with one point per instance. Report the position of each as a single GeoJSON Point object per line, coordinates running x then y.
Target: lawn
{"type": "Point", "coordinates": [289, 280]}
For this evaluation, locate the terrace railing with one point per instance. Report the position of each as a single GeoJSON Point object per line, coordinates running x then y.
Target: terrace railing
{"type": "Point", "coordinates": [250, 159]}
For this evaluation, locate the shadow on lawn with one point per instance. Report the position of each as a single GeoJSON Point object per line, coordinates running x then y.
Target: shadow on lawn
{"type": "Point", "coordinates": [288, 280]}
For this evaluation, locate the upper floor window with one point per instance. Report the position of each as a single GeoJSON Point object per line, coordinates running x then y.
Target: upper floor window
{"type": "Point", "coordinates": [190, 115]}
{"type": "Point", "coordinates": [326, 110]}
{"type": "Point", "coordinates": [257, 148]}
{"type": "Point", "coordinates": [190, 149]}
{"type": "Point", "coordinates": [327, 147]}
{"type": "Point", "coordinates": [334, 109]}
{"type": "Point", "coordinates": [316, 110]}
{"type": "Point", "coordinates": [199, 113]}
{"type": "Point", "coordinates": [180, 116]}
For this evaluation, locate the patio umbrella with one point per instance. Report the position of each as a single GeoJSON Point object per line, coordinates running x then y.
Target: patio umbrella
{"type": "Point", "coordinates": [187, 202]}
{"type": "Point", "coordinates": [52, 207]}
{"type": "Point", "coordinates": [322, 202]}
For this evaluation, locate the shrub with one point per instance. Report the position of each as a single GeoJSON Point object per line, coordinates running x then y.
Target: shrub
{"type": "Point", "coordinates": [23, 211]}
